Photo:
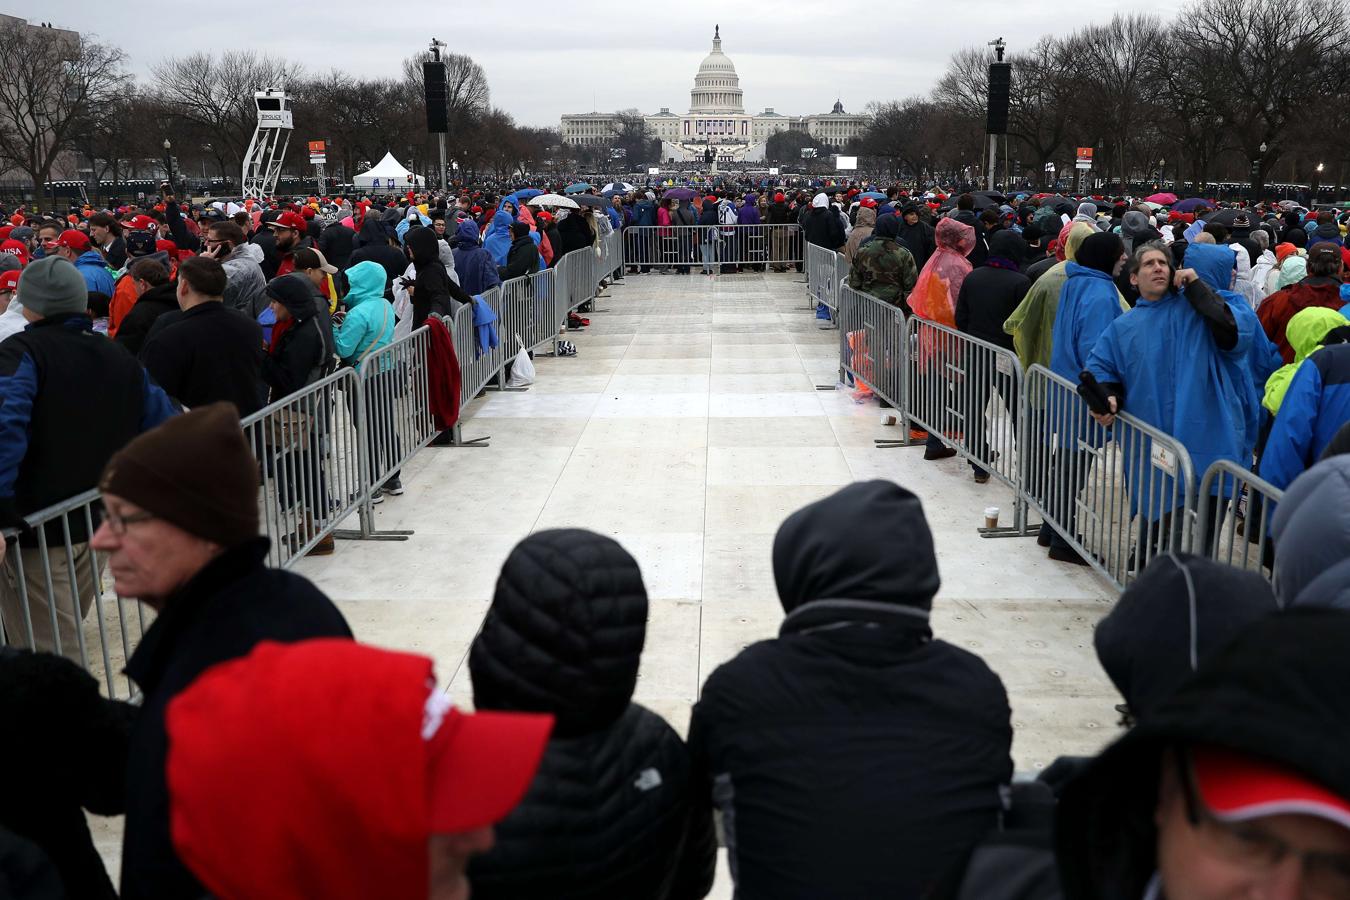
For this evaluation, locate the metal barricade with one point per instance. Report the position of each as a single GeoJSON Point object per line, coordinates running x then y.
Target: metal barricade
{"type": "Point", "coordinates": [1118, 496]}
{"type": "Point", "coordinates": [873, 346]}
{"type": "Point", "coordinates": [709, 247]}
{"type": "Point", "coordinates": [540, 326]}
{"type": "Point", "coordinates": [397, 405]}
{"type": "Point", "coordinates": [53, 596]}
{"type": "Point", "coordinates": [822, 287]}
{"type": "Point", "coordinates": [969, 393]}
{"type": "Point", "coordinates": [1234, 511]}
{"type": "Point", "coordinates": [313, 470]}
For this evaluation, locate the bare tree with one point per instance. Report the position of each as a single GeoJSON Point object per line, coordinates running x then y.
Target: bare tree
{"type": "Point", "coordinates": [215, 95]}
{"type": "Point", "coordinates": [53, 80]}
{"type": "Point", "coordinates": [466, 95]}
{"type": "Point", "coordinates": [1270, 62]}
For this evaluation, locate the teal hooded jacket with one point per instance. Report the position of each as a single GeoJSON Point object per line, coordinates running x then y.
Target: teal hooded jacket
{"type": "Point", "coordinates": [369, 325]}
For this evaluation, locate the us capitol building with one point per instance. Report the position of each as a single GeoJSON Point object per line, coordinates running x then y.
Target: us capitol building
{"type": "Point", "coordinates": [717, 120]}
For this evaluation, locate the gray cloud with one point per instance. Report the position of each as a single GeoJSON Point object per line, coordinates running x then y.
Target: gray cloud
{"type": "Point", "coordinates": [545, 59]}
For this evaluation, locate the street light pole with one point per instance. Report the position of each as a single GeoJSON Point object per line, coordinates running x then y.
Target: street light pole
{"type": "Point", "coordinates": [168, 164]}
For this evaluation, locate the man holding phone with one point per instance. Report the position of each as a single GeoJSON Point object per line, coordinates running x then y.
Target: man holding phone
{"type": "Point", "coordinates": [245, 283]}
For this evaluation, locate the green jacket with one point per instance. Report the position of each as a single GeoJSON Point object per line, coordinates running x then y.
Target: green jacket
{"type": "Point", "coordinates": [885, 270]}
{"type": "Point", "coordinates": [1305, 332]}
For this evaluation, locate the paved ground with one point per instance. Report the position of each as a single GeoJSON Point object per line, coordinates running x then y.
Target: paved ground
{"type": "Point", "coordinates": [688, 426]}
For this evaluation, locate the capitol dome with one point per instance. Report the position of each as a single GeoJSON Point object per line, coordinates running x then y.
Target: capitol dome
{"type": "Point", "coordinates": [717, 87]}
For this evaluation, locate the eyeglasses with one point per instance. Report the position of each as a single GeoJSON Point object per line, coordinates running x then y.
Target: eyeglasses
{"type": "Point", "coordinates": [1326, 876]}
{"type": "Point", "coordinates": [118, 524]}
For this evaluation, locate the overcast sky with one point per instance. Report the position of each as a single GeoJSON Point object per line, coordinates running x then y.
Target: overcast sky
{"type": "Point", "coordinates": [545, 59]}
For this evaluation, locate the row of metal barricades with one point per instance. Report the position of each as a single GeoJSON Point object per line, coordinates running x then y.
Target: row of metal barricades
{"type": "Point", "coordinates": [1118, 496]}
{"type": "Point", "coordinates": [324, 453]}
{"type": "Point", "coordinates": [712, 248]}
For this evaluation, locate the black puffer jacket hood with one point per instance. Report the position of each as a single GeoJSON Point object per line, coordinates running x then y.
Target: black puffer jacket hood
{"type": "Point", "coordinates": [1180, 610]}
{"type": "Point", "coordinates": [421, 243]}
{"type": "Point", "coordinates": [1276, 692]}
{"type": "Point", "coordinates": [295, 293]}
{"type": "Point", "coordinates": [868, 541]}
{"type": "Point", "coordinates": [1312, 534]}
{"type": "Point", "coordinates": [564, 633]}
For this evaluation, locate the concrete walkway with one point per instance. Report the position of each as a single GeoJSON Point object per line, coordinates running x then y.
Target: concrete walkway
{"type": "Point", "coordinates": [687, 427]}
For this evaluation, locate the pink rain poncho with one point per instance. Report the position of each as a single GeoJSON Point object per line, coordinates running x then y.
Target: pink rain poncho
{"type": "Point", "coordinates": [934, 294]}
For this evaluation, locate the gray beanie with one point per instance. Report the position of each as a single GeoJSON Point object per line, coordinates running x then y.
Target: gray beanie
{"type": "Point", "coordinates": [9, 262]}
{"type": "Point", "coordinates": [52, 286]}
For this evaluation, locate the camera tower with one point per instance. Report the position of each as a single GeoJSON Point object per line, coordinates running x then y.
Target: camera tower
{"type": "Point", "coordinates": [267, 149]}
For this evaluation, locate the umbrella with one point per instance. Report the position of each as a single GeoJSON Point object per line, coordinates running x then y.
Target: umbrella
{"type": "Point", "coordinates": [576, 188]}
{"type": "Point", "coordinates": [1162, 199]}
{"type": "Point", "coordinates": [557, 200]}
{"type": "Point", "coordinates": [1152, 205]}
{"type": "Point", "coordinates": [995, 196]}
{"type": "Point", "coordinates": [680, 193]}
{"type": "Point", "coordinates": [1226, 217]}
{"type": "Point", "coordinates": [591, 200]}
{"type": "Point", "coordinates": [1064, 206]}
{"type": "Point", "coordinates": [873, 195]}
{"type": "Point", "coordinates": [1190, 205]}
{"type": "Point", "coordinates": [527, 193]}
{"type": "Point", "coordinates": [618, 187]}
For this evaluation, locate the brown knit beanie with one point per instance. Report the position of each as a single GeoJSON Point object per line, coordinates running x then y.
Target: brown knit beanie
{"type": "Point", "coordinates": [195, 471]}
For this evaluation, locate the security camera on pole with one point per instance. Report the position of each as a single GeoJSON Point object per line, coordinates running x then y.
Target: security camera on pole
{"type": "Point", "coordinates": [996, 122]}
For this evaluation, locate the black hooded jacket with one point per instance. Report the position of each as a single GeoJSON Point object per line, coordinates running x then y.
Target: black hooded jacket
{"type": "Point", "coordinates": [919, 238]}
{"type": "Point", "coordinates": [1275, 692]}
{"type": "Point", "coordinates": [853, 756]}
{"type": "Point", "coordinates": [821, 226]}
{"type": "Point", "coordinates": [434, 287]}
{"type": "Point", "coordinates": [301, 356]}
{"type": "Point", "coordinates": [1179, 611]}
{"type": "Point", "coordinates": [990, 294]}
{"type": "Point", "coordinates": [611, 812]}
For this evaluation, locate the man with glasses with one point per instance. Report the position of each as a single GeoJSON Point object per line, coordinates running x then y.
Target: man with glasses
{"type": "Point", "coordinates": [67, 403]}
{"type": "Point", "coordinates": [1237, 786]}
{"type": "Point", "coordinates": [183, 538]}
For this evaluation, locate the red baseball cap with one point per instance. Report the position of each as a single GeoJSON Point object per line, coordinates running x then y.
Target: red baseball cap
{"type": "Point", "coordinates": [9, 281]}
{"type": "Point", "coordinates": [289, 220]}
{"type": "Point", "coordinates": [142, 223]}
{"type": "Point", "coordinates": [327, 764]}
{"type": "Point", "coordinates": [75, 240]}
{"type": "Point", "coordinates": [867, 203]}
{"type": "Point", "coordinates": [1236, 787]}
{"type": "Point", "coordinates": [15, 248]}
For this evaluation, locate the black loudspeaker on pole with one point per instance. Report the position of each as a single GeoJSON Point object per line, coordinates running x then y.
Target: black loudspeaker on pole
{"type": "Point", "coordinates": [1000, 80]}
{"type": "Point", "coordinates": [433, 73]}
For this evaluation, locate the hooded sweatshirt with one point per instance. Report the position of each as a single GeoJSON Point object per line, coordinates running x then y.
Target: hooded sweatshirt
{"type": "Point", "coordinates": [853, 742]}
{"type": "Point", "coordinates": [1315, 408]}
{"type": "Point", "coordinates": [1306, 331]}
{"type": "Point", "coordinates": [862, 230]}
{"type": "Point", "coordinates": [564, 635]}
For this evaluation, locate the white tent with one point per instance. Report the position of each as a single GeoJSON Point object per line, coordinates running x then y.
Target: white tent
{"type": "Point", "coordinates": [386, 175]}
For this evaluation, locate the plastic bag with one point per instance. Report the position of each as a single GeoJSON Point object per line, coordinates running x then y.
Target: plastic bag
{"type": "Point", "coordinates": [522, 369]}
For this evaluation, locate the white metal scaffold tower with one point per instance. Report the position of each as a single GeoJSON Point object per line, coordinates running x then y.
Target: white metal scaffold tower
{"type": "Point", "coordinates": [267, 149]}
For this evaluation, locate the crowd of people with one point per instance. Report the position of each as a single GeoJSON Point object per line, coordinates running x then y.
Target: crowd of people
{"type": "Point", "coordinates": [855, 754]}
{"type": "Point", "coordinates": [1221, 327]}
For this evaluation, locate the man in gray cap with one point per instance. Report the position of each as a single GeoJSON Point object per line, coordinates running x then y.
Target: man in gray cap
{"type": "Point", "coordinates": [69, 400]}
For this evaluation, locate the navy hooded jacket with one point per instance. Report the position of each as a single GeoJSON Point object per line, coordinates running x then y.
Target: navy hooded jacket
{"type": "Point", "coordinates": [477, 272]}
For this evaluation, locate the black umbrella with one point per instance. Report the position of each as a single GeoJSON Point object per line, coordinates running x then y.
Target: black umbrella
{"type": "Point", "coordinates": [995, 196]}
{"type": "Point", "coordinates": [591, 200]}
{"type": "Point", "coordinates": [1063, 206]}
{"type": "Point", "coordinates": [1226, 217]}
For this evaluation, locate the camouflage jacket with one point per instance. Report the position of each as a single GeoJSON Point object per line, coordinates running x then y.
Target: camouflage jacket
{"type": "Point", "coordinates": [884, 269]}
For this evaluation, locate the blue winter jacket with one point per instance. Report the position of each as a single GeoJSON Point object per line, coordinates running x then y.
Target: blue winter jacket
{"type": "Point", "coordinates": [497, 241]}
{"type": "Point", "coordinates": [485, 325]}
{"type": "Point", "coordinates": [477, 272]}
{"type": "Point", "coordinates": [1177, 379]}
{"type": "Point", "coordinates": [1215, 266]}
{"type": "Point", "coordinates": [1088, 303]}
{"type": "Point", "coordinates": [97, 278]}
{"type": "Point", "coordinates": [1316, 406]}
{"type": "Point", "coordinates": [370, 320]}
{"type": "Point", "coordinates": [644, 213]}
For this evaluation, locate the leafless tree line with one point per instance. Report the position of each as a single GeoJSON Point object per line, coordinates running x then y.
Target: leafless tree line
{"type": "Point", "coordinates": [1232, 90]}
{"type": "Point", "coordinates": [68, 105]}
